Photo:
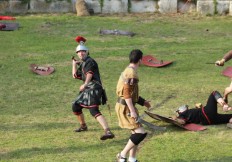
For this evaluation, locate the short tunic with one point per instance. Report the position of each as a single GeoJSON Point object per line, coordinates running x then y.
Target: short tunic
{"type": "Point", "coordinates": [122, 110]}
{"type": "Point", "coordinates": [91, 96]}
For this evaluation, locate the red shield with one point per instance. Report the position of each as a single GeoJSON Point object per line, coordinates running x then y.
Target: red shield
{"type": "Point", "coordinates": [190, 127]}
{"type": "Point", "coordinates": [41, 70]}
{"type": "Point", "coordinates": [149, 60]}
{"type": "Point", "coordinates": [227, 72]}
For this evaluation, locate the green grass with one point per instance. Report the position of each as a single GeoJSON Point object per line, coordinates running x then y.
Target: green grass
{"type": "Point", "coordinates": [35, 111]}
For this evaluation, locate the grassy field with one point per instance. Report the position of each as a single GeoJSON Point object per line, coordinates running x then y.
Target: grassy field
{"type": "Point", "coordinates": [36, 120]}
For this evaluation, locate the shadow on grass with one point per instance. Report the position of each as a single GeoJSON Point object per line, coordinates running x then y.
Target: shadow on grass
{"type": "Point", "coordinates": [44, 126]}
{"type": "Point", "coordinates": [37, 151]}
{"type": "Point", "coordinates": [220, 159]}
{"type": "Point", "coordinates": [35, 126]}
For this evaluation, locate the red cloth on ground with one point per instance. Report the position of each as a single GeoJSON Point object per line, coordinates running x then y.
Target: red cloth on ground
{"type": "Point", "coordinates": [6, 18]}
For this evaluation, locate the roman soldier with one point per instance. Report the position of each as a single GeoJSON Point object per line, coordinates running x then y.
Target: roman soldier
{"type": "Point", "coordinates": [91, 91]}
{"type": "Point", "coordinates": [206, 115]}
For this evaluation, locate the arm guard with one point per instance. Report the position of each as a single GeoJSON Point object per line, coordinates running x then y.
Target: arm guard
{"type": "Point", "coordinates": [217, 95]}
{"type": "Point", "coordinates": [141, 101]}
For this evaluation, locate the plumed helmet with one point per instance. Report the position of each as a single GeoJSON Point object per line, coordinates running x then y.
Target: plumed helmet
{"type": "Point", "coordinates": [182, 109]}
{"type": "Point", "coordinates": [81, 41]}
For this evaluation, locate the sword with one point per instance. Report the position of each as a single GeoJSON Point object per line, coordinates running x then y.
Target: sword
{"type": "Point", "coordinates": [108, 105]}
{"type": "Point", "coordinates": [150, 125]}
{"type": "Point", "coordinates": [159, 104]}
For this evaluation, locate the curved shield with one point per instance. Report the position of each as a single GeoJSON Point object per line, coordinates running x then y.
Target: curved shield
{"type": "Point", "coordinates": [42, 70]}
{"type": "Point", "coordinates": [227, 72]}
{"type": "Point", "coordinates": [190, 127]}
{"type": "Point", "coordinates": [149, 60]}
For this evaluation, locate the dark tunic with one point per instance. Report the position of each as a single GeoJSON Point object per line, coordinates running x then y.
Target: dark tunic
{"type": "Point", "coordinates": [194, 115]}
{"type": "Point", "coordinates": [206, 115]}
{"type": "Point", "coordinates": [91, 96]}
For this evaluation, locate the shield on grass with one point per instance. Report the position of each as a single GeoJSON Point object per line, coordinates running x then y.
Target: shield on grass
{"type": "Point", "coordinates": [190, 127]}
{"type": "Point", "coordinates": [41, 70]}
{"type": "Point", "coordinates": [151, 61]}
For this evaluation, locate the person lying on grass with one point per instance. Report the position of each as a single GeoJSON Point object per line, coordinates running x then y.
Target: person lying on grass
{"type": "Point", "coordinates": [205, 115]}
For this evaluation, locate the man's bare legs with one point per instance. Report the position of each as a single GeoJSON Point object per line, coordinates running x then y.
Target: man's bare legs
{"type": "Point", "coordinates": [81, 120]}
{"type": "Point", "coordinates": [130, 147]}
{"type": "Point", "coordinates": [108, 134]}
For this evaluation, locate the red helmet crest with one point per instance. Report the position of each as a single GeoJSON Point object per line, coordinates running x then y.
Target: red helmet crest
{"type": "Point", "coordinates": [80, 39]}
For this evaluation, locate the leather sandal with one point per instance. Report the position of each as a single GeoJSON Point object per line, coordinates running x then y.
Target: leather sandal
{"type": "Point", "coordinates": [119, 157]}
{"type": "Point", "coordinates": [108, 135]}
{"type": "Point", "coordinates": [81, 129]}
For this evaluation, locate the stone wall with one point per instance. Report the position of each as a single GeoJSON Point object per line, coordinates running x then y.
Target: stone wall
{"type": "Point", "coordinates": [37, 6]}
{"type": "Point", "coordinates": [205, 7]}
{"type": "Point", "coordinates": [211, 7]}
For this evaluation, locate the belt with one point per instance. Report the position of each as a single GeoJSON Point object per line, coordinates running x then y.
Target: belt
{"type": "Point", "coordinates": [203, 111]}
{"type": "Point", "coordinates": [121, 101]}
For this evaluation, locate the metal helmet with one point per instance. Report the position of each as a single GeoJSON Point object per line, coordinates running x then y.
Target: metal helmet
{"type": "Point", "coordinates": [182, 109]}
{"type": "Point", "coordinates": [81, 47]}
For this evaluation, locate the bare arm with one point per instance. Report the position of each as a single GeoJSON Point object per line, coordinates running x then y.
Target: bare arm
{"type": "Point", "coordinates": [180, 121]}
{"type": "Point", "coordinates": [225, 58]}
{"type": "Point", "coordinates": [127, 89]}
{"type": "Point", "coordinates": [227, 91]}
{"type": "Point", "coordinates": [147, 104]}
{"type": "Point", "coordinates": [130, 105]}
{"type": "Point", "coordinates": [87, 80]}
{"type": "Point", "coordinates": [74, 68]}
{"type": "Point", "coordinates": [228, 56]}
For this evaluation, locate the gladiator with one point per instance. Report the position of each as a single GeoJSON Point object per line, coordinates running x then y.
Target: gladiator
{"type": "Point", "coordinates": [205, 115]}
{"type": "Point", "coordinates": [228, 89]}
{"type": "Point", "coordinates": [128, 96]}
{"type": "Point", "coordinates": [91, 91]}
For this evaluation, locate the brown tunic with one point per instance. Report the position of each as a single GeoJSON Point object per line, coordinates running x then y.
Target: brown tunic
{"type": "Point", "coordinates": [127, 87]}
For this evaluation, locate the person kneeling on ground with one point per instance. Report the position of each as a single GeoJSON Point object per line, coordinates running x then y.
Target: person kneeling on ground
{"type": "Point", "coordinates": [206, 115]}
